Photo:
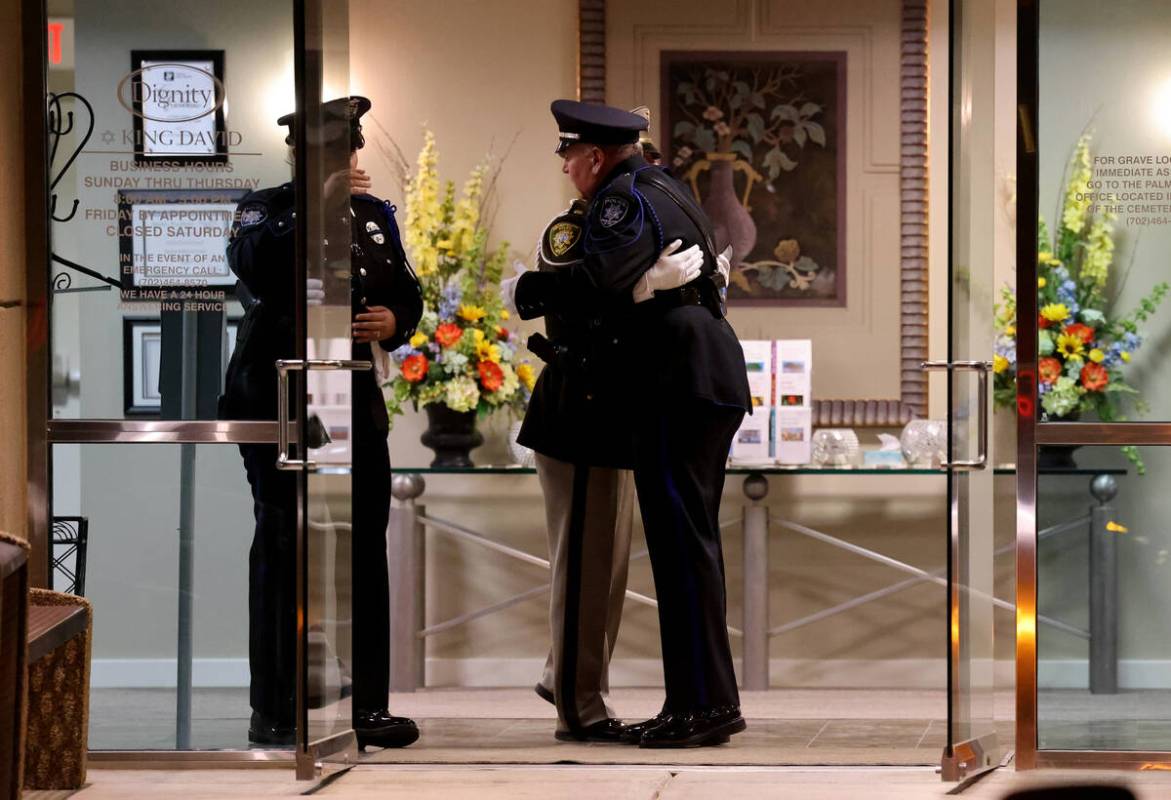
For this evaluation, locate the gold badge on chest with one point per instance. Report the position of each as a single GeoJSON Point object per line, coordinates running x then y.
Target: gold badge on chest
{"type": "Point", "coordinates": [562, 237]}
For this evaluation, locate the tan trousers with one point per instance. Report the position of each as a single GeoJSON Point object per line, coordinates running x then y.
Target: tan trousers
{"type": "Point", "coordinates": [589, 511]}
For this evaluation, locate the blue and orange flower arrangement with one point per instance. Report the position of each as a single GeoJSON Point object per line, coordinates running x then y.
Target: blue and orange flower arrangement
{"type": "Point", "coordinates": [461, 355]}
{"type": "Point", "coordinates": [1083, 346]}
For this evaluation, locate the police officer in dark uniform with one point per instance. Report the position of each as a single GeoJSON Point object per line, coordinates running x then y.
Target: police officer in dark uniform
{"type": "Point", "coordinates": [676, 367]}
{"type": "Point", "coordinates": [387, 304]}
{"type": "Point", "coordinates": [584, 469]}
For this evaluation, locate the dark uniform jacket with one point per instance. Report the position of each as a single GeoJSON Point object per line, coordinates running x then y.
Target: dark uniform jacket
{"type": "Point", "coordinates": [566, 419]}
{"type": "Point", "coordinates": [664, 348]}
{"type": "Point", "coordinates": [261, 253]}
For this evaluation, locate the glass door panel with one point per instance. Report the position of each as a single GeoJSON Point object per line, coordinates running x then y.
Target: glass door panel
{"type": "Point", "coordinates": [972, 741]}
{"type": "Point", "coordinates": [1104, 195]}
{"type": "Point", "coordinates": [1103, 191]}
{"type": "Point", "coordinates": [326, 666]}
{"type": "Point", "coordinates": [160, 120]}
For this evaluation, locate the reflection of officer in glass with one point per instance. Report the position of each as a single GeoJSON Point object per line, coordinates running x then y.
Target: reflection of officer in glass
{"type": "Point", "coordinates": [387, 305]}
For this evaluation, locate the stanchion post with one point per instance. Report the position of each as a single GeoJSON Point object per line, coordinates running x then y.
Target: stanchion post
{"type": "Point", "coordinates": [755, 583]}
{"type": "Point", "coordinates": [1103, 588]}
{"type": "Point", "coordinates": [405, 560]}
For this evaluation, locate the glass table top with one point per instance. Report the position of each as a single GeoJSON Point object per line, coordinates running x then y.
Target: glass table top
{"type": "Point", "coordinates": [769, 469]}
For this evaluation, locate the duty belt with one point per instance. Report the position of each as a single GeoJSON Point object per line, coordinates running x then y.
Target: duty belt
{"type": "Point", "coordinates": [700, 292]}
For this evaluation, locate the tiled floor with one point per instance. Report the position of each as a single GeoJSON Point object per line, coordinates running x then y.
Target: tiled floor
{"type": "Point", "coordinates": [514, 726]}
{"type": "Point", "coordinates": [591, 783]}
{"type": "Point", "coordinates": [1129, 720]}
{"type": "Point", "coordinates": [766, 742]}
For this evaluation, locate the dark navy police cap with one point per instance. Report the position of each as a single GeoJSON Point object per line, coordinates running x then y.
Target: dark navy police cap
{"type": "Point", "coordinates": [340, 118]}
{"type": "Point", "coordinates": [593, 123]}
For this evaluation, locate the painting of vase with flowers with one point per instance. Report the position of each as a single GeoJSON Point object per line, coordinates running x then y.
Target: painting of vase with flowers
{"type": "Point", "coordinates": [760, 139]}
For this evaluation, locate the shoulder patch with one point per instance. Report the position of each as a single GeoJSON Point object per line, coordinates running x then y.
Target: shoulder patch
{"type": "Point", "coordinates": [253, 214]}
{"type": "Point", "coordinates": [562, 237]}
{"type": "Point", "coordinates": [613, 211]}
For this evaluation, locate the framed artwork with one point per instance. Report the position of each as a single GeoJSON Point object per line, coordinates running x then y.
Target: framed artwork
{"type": "Point", "coordinates": [914, 172]}
{"type": "Point", "coordinates": [760, 137]}
{"type": "Point", "coordinates": [142, 348]}
{"type": "Point", "coordinates": [175, 239]}
{"type": "Point", "coordinates": [176, 99]}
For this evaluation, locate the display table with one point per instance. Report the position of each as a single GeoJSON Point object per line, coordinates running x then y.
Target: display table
{"type": "Point", "coordinates": [408, 521]}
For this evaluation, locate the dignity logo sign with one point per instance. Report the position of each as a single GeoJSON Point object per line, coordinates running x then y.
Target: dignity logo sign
{"type": "Point", "coordinates": [166, 92]}
{"type": "Point", "coordinates": [177, 99]}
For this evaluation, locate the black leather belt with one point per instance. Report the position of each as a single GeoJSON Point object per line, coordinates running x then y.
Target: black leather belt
{"type": "Point", "coordinates": [700, 292]}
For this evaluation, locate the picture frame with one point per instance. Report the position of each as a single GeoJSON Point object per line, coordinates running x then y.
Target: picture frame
{"type": "Point", "coordinates": [911, 402]}
{"type": "Point", "coordinates": [141, 362]}
{"type": "Point", "coordinates": [142, 341]}
{"type": "Point", "coordinates": [760, 139]}
{"type": "Point", "coordinates": [176, 100]}
{"type": "Point", "coordinates": [175, 239]}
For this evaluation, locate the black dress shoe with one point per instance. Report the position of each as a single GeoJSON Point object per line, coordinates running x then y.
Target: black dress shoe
{"type": "Point", "coordinates": [380, 729]}
{"type": "Point", "coordinates": [266, 731]}
{"type": "Point", "coordinates": [632, 734]}
{"type": "Point", "coordinates": [608, 731]}
{"type": "Point", "coordinates": [545, 694]}
{"type": "Point", "coordinates": [695, 729]}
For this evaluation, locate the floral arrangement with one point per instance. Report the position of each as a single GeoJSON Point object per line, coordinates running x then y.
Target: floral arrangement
{"type": "Point", "coordinates": [1083, 348]}
{"type": "Point", "coordinates": [461, 355]}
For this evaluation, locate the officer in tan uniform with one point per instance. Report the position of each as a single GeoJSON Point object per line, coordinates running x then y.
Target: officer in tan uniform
{"type": "Point", "coordinates": [583, 460]}
{"type": "Point", "coordinates": [676, 368]}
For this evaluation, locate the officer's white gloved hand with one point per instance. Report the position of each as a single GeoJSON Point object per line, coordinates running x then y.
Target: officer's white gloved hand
{"type": "Point", "coordinates": [724, 263]}
{"type": "Point", "coordinates": [314, 291]}
{"type": "Point", "coordinates": [671, 271]}
{"type": "Point", "coordinates": [508, 287]}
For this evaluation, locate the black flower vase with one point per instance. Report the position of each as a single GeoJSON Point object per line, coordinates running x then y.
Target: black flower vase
{"type": "Point", "coordinates": [452, 435]}
{"type": "Point", "coordinates": [1056, 457]}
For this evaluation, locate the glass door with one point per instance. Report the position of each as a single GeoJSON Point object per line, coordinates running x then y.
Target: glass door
{"type": "Point", "coordinates": [184, 231]}
{"type": "Point", "coordinates": [972, 743]}
{"type": "Point", "coordinates": [1094, 401]}
{"type": "Point", "coordinates": [325, 667]}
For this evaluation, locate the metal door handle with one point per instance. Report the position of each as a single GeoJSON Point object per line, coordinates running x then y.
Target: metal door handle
{"type": "Point", "coordinates": [283, 367]}
{"type": "Point", "coordinates": [982, 368]}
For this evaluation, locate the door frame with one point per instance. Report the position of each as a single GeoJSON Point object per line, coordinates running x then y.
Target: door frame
{"type": "Point", "coordinates": [1031, 433]}
{"type": "Point", "coordinates": [43, 432]}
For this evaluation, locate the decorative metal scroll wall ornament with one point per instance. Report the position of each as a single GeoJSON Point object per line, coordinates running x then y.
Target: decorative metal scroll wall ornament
{"type": "Point", "coordinates": [61, 123]}
{"type": "Point", "coordinates": [57, 129]}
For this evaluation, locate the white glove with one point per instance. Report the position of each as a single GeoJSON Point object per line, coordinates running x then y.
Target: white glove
{"type": "Point", "coordinates": [314, 291]}
{"type": "Point", "coordinates": [508, 287]}
{"type": "Point", "coordinates": [724, 263]}
{"type": "Point", "coordinates": [671, 271]}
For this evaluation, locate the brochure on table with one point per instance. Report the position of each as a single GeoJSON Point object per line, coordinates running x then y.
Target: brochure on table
{"type": "Point", "coordinates": [780, 381]}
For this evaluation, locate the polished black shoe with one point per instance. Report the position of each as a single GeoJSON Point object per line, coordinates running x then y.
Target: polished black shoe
{"type": "Point", "coordinates": [695, 729]}
{"type": "Point", "coordinates": [270, 732]}
{"type": "Point", "coordinates": [608, 731]}
{"type": "Point", "coordinates": [380, 729]}
{"type": "Point", "coordinates": [545, 694]}
{"type": "Point", "coordinates": [632, 734]}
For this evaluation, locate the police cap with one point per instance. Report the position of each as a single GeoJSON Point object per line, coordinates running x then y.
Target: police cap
{"type": "Point", "coordinates": [339, 120]}
{"type": "Point", "coordinates": [593, 123]}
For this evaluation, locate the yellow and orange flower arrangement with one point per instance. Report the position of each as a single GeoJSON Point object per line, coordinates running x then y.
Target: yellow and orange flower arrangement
{"type": "Point", "coordinates": [461, 355]}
